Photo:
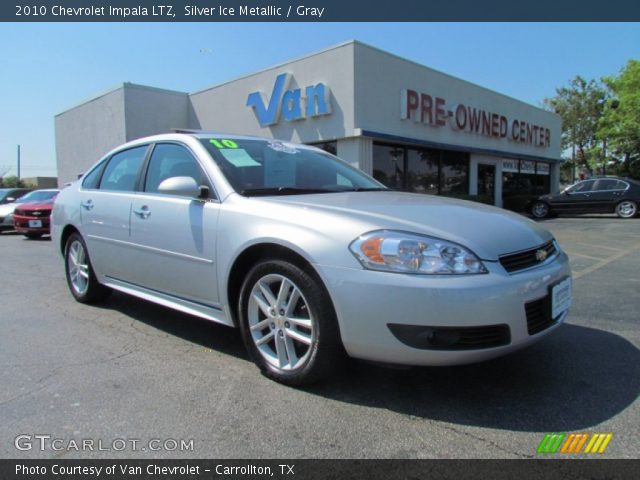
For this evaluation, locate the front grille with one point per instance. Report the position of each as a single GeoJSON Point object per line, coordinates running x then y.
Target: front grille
{"type": "Point", "coordinates": [32, 213]}
{"type": "Point", "coordinates": [539, 315]}
{"type": "Point", "coordinates": [515, 262]}
{"type": "Point", "coordinates": [451, 338]}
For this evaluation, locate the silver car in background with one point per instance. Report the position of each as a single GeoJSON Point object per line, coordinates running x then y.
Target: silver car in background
{"type": "Point", "coordinates": [308, 256]}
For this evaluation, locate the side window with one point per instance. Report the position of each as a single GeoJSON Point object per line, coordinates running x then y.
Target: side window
{"type": "Point", "coordinates": [604, 184]}
{"type": "Point", "coordinates": [620, 185]}
{"type": "Point", "coordinates": [170, 160]}
{"type": "Point", "coordinates": [91, 179]}
{"type": "Point", "coordinates": [583, 187]}
{"type": "Point", "coordinates": [343, 181]}
{"type": "Point", "coordinates": [122, 170]}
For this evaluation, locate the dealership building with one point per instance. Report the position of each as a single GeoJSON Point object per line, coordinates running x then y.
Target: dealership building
{"type": "Point", "coordinates": [411, 127]}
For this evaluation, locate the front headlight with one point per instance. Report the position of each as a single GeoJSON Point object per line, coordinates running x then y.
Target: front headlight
{"type": "Point", "coordinates": [392, 251]}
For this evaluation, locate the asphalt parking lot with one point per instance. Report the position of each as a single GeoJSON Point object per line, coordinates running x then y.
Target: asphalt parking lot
{"type": "Point", "coordinates": [132, 370]}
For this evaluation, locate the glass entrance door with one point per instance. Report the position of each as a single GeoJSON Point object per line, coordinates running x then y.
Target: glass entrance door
{"type": "Point", "coordinates": [487, 181]}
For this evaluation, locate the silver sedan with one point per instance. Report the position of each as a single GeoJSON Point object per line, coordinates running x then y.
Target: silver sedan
{"type": "Point", "coordinates": [308, 256]}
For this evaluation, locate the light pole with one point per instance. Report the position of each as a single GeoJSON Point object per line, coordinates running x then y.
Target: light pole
{"type": "Point", "coordinates": [613, 104]}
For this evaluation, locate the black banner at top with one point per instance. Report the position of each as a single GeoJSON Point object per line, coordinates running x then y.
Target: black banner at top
{"type": "Point", "coordinates": [317, 10]}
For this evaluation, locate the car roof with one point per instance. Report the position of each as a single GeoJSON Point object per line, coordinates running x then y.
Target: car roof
{"type": "Point", "coordinates": [611, 177]}
{"type": "Point", "coordinates": [203, 135]}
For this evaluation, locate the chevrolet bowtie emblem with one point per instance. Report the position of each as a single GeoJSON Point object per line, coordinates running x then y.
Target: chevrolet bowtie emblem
{"type": "Point", "coordinates": [541, 255]}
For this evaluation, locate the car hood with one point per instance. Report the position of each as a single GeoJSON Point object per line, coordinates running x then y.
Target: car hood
{"type": "Point", "coordinates": [46, 205]}
{"type": "Point", "coordinates": [488, 231]}
{"type": "Point", "coordinates": [8, 208]}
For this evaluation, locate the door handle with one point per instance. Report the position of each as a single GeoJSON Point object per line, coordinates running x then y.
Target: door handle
{"type": "Point", "coordinates": [143, 212]}
{"type": "Point", "coordinates": [88, 205]}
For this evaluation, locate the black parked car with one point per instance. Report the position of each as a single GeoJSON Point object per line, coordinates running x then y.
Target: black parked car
{"type": "Point", "coordinates": [10, 195]}
{"type": "Point", "coordinates": [596, 195]}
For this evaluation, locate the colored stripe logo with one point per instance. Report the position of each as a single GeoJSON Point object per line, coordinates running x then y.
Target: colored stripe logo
{"type": "Point", "coordinates": [569, 443]}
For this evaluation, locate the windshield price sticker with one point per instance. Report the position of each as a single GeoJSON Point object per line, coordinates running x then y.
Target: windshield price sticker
{"type": "Point", "coordinates": [283, 147]}
{"type": "Point", "coordinates": [239, 157]}
{"type": "Point", "coordinates": [225, 143]}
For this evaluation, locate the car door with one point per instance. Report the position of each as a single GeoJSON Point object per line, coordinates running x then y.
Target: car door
{"type": "Point", "coordinates": [105, 210]}
{"type": "Point", "coordinates": [175, 236]}
{"type": "Point", "coordinates": [575, 199]}
{"type": "Point", "coordinates": [606, 194]}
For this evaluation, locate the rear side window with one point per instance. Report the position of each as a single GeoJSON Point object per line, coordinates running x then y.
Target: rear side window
{"type": "Point", "coordinates": [91, 179]}
{"type": "Point", "coordinates": [171, 160]}
{"type": "Point", "coordinates": [121, 172]}
{"type": "Point", "coordinates": [607, 184]}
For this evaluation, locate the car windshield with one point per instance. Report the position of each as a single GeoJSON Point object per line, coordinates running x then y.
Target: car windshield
{"type": "Point", "coordinates": [38, 196]}
{"type": "Point", "coordinates": [272, 167]}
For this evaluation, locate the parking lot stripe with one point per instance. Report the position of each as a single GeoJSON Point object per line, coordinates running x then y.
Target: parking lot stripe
{"type": "Point", "coordinates": [599, 246]}
{"type": "Point", "coordinates": [605, 262]}
{"type": "Point", "coordinates": [583, 255]}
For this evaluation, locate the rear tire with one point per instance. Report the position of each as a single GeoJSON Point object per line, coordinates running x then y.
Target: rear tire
{"type": "Point", "coordinates": [288, 324]}
{"type": "Point", "coordinates": [627, 209]}
{"type": "Point", "coordinates": [540, 210]}
{"type": "Point", "coordinates": [81, 279]}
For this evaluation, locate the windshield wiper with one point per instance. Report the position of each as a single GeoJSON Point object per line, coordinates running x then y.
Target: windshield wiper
{"type": "Point", "coordinates": [251, 192]}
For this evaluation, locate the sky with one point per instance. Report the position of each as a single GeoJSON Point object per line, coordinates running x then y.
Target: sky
{"type": "Point", "coordinates": [47, 68]}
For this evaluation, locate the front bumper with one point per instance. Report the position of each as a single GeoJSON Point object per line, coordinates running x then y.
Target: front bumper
{"type": "Point", "coordinates": [6, 222]}
{"type": "Point", "coordinates": [21, 224]}
{"type": "Point", "coordinates": [367, 302]}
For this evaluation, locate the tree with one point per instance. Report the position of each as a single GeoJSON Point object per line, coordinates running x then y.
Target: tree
{"type": "Point", "coordinates": [11, 181]}
{"type": "Point", "coordinates": [620, 124]}
{"type": "Point", "coordinates": [580, 106]}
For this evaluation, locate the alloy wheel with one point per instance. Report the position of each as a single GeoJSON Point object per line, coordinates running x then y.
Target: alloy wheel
{"type": "Point", "coordinates": [78, 267]}
{"type": "Point", "coordinates": [540, 210]}
{"type": "Point", "coordinates": [280, 322]}
{"type": "Point", "coordinates": [626, 209]}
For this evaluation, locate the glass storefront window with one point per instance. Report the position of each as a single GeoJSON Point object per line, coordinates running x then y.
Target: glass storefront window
{"type": "Point", "coordinates": [329, 147]}
{"type": "Point", "coordinates": [454, 173]}
{"type": "Point", "coordinates": [388, 165]}
{"type": "Point", "coordinates": [421, 170]}
{"type": "Point", "coordinates": [529, 180]}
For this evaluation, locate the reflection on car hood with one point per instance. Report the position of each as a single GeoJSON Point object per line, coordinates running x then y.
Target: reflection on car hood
{"type": "Point", "coordinates": [46, 205]}
{"type": "Point", "coordinates": [488, 231]}
{"type": "Point", "coordinates": [7, 208]}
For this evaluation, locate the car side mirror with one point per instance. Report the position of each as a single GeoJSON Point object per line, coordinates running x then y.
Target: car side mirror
{"type": "Point", "coordinates": [182, 186]}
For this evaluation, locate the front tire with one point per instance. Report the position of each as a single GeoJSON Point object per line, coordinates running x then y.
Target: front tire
{"type": "Point", "coordinates": [81, 279]}
{"type": "Point", "coordinates": [540, 210]}
{"type": "Point", "coordinates": [288, 323]}
{"type": "Point", "coordinates": [626, 209]}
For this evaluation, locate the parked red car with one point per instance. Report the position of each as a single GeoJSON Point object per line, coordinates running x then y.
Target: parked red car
{"type": "Point", "coordinates": [32, 219]}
